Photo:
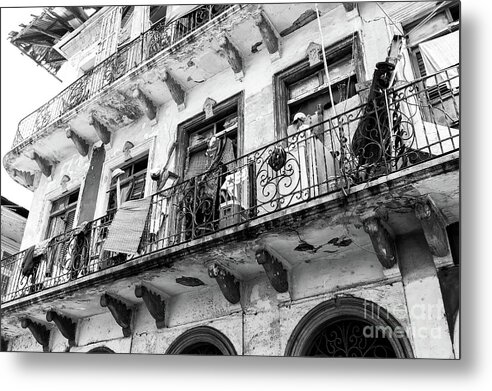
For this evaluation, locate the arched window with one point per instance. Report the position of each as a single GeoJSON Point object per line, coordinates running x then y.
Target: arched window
{"type": "Point", "coordinates": [349, 327]}
{"type": "Point", "coordinates": [202, 340]}
{"type": "Point", "coordinates": [100, 349]}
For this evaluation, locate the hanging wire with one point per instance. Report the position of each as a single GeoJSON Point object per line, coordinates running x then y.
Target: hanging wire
{"type": "Point", "coordinates": [391, 20]}
{"type": "Point", "coordinates": [325, 61]}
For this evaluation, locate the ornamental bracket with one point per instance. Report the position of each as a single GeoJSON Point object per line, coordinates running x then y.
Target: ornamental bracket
{"type": "Point", "coordinates": [228, 283]}
{"type": "Point", "coordinates": [433, 225]}
{"type": "Point", "coordinates": [39, 331]}
{"type": "Point", "coordinates": [66, 325]}
{"type": "Point", "coordinates": [175, 89]}
{"type": "Point", "coordinates": [80, 144]}
{"type": "Point", "coordinates": [274, 269]}
{"type": "Point", "coordinates": [43, 164]}
{"type": "Point", "coordinates": [233, 56]}
{"type": "Point", "coordinates": [149, 106]}
{"type": "Point", "coordinates": [102, 131]}
{"type": "Point", "coordinates": [382, 241]}
{"type": "Point", "coordinates": [120, 311]}
{"type": "Point", "coordinates": [268, 35]}
{"type": "Point", "coordinates": [155, 303]}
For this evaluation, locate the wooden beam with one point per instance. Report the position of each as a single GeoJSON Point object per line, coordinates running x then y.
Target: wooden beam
{"type": "Point", "coordinates": [66, 326]}
{"type": "Point", "coordinates": [45, 32]}
{"type": "Point", "coordinates": [274, 269]}
{"type": "Point", "coordinates": [80, 144]}
{"type": "Point", "coordinates": [268, 35]}
{"type": "Point", "coordinates": [76, 11]}
{"type": "Point", "coordinates": [155, 303]}
{"type": "Point", "coordinates": [101, 130]}
{"type": "Point", "coordinates": [59, 19]}
{"type": "Point", "coordinates": [228, 284]}
{"type": "Point", "coordinates": [40, 332]}
{"type": "Point", "coordinates": [433, 225]}
{"type": "Point", "coordinates": [233, 56]}
{"type": "Point", "coordinates": [175, 89]}
{"type": "Point", "coordinates": [121, 313]}
{"type": "Point", "coordinates": [382, 242]}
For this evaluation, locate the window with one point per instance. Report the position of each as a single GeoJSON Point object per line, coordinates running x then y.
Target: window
{"type": "Point", "coordinates": [305, 89]}
{"type": "Point", "coordinates": [62, 214]}
{"type": "Point", "coordinates": [205, 160]}
{"type": "Point", "coordinates": [225, 124]}
{"type": "Point", "coordinates": [126, 25]}
{"type": "Point", "coordinates": [224, 129]}
{"type": "Point", "coordinates": [132, 183]}
{"type": "Point", "coordinates": [303, 92]}
{"type": "Point", "coordinates": [434, 47]}
{"type": "Point", "coordinates": [7, 269]}
{"type": "Point", "coordinates": [157, 13]}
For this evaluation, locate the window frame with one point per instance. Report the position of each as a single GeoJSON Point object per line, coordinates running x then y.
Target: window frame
{"type": "Point", "coordinates": [198, 122]}
{"type": "Point", "coordinates": [68, 208]}
{"type": "Point", "coordinates": [302, 69]}
{"type": "Point", "coordinates": [129, 163]}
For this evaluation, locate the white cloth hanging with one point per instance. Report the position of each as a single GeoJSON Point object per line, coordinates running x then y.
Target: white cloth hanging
{"type": "Point", "coordinates": [441, 53]}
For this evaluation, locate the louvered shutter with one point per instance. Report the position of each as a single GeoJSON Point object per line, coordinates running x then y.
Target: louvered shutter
{"type": "Point", "coordinates": [69, 219]}
{"type": "Point", "coordinates": [138, 188]}
{"type": "Point", "coordinates": [110, 28]}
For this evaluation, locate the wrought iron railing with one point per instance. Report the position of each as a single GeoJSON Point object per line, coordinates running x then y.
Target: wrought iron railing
{"type": "Point", "coordinates": [409, 124]}
{"type": "Point", "coordinates": [158, 38]}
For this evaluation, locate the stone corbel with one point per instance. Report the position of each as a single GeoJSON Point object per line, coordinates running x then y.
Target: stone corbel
{"type": "Point", "coordinates": [175, 89]}
{"type": "Point", "coordinates": [270, 39]}
{"type": "Point", "coordinates": [233, 56]}
{"type": "Point", "coordinates": [80, 144]}
{"type": "Point", "coordinates": [155, 303]}
{"type": "Point", "coordinates": [275, 271]}
{"type": "Point", "coordinates": [149, 106]}
{"type": "Point", "coordinates": [121, 313]}
{"type": "Point", "coordinates": [66, 326]}
{"type": "Point", "coordinates": [208, 107]}
{"type": "Point", "coordinates": [101, 130]}
{"type": "Point", "coordinates": [127, 150]}
{"type": "Point", "coordinates": [43, 163]}
{"type": "Point", "coordinates": [433, 225]}
{"type": "Point", "coordinates": [63, 183]}
{"type": "Point", "coordinates": [228, 283]}
{"type": "Point", "coordinates": [382, 241]}
{"type": "Point", "coordinates": [40, 332]}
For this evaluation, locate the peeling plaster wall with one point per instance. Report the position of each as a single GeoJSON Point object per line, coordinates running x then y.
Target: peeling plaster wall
{"type": "Point", "coordinates": [258, 114]}
{"type": "Point", "coordinates": [264, 323]}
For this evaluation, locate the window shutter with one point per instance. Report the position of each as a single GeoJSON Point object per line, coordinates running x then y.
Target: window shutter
{"type": "Point", "coordinates": [420, 63]}
{"type": "Point", "coordinates": [69, 219]}
{"type": "Point", "coordinates": [138, 189]}
{"type": "Point", "coordinates": [110, 28]}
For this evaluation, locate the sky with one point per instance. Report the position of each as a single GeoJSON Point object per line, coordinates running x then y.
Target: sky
{"type": "Point", "coordinates": [25, 86]}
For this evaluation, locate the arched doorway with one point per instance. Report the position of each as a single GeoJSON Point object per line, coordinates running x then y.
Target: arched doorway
{"type": "Point", "coordinates": [101, 350]}
{"type": "Point", "coordinates": [349, 327]}
{"type": "Point", "coordinates": [203, 340]}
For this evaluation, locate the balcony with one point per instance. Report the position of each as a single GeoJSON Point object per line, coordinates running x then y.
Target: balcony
{"type": "Point", "coordinates": [159, 38]}
{"type": "Point", "coordinates": [410, 126]}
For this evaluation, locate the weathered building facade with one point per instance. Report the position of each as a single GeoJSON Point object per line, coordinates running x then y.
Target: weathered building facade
{"type": "Point", "coordinates": [277, 179]}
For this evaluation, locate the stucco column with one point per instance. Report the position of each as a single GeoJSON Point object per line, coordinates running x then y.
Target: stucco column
{"type": "Point", "coordinates": [429, 328]}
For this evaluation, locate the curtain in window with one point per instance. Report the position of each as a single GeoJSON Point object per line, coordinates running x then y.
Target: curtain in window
{"type": "Point", "coordinates": [441, 53]}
